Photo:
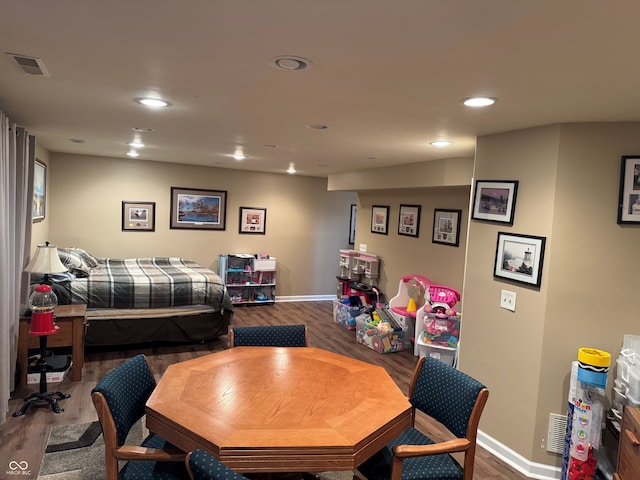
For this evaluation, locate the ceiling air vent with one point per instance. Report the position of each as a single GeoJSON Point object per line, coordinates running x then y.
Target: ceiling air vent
{"type": "Point", "coordinates": [30, 65]}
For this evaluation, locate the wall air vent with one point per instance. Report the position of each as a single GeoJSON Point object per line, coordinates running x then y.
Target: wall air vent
{"type": "Point", "coordinates": [556, 433]}
{"type": "Point", "coordinates": [30, 65]}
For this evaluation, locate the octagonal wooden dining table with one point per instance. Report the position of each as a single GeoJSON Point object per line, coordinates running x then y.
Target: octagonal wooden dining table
{"type": "Point", "coordinates": [270, 409]}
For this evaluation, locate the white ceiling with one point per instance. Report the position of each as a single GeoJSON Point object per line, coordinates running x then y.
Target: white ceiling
{"type": "Point", "coordinates": [387, 77]}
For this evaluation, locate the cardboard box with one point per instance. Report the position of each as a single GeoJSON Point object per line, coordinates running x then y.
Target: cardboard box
{"type": "Point", "coordinates": [52, 377]}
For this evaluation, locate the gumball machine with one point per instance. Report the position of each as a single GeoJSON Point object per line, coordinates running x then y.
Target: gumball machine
{"type": "Point", "coordinates": [42, 303]}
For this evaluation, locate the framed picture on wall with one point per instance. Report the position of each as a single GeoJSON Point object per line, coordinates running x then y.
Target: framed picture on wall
{"type": "Point", "coordinates": [39, 192]}
{"type": "Point", "coordinates": [352, 224]}
{"type": "Point", "coordinates": [495, 200]}
{"type": "Point", "coordinates": [253, 220]}
{"type": "Point", "coordinates": [446, 226]}
{"type": "Point", "coordinates": [380, 219]}
{"type": "Point", "coordinates": [629, 198]}
{"type": "Point", "coordinates": [198, 209]}
{"type": "Point", "coordinates": [409, 220]}
{"type": "Point", "coordinates": [138, 216]}
{"type": "Point", "coordinates": [519, 258]}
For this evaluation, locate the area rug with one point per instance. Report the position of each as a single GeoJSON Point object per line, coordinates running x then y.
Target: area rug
{"type": "Point", "coordinates": [76, 452]}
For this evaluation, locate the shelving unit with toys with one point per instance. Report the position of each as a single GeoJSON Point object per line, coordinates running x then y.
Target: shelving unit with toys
{"type": "Point", "coordinates": [437, 327]}
{"type": "Point", "coordinates": [249, 280]}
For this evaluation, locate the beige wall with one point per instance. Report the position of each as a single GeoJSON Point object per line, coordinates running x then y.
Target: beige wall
{"type": "Point", "coordinates": [569, 177]}
{"type": "Point", "coordinates": [402, 255]}
{"type": "Point", "coordinates": [305, 229]}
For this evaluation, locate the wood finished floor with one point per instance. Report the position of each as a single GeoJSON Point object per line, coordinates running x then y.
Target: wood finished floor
{"type": "Point", "coordinates": [24, 438]}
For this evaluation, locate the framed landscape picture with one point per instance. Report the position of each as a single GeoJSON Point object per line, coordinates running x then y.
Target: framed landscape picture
{"type": "Point", "coordinates": [198, 209]}
{"type": "Point", "coordinates": [253, 220]}
{"type": "Point", "coordinates": [139, 216]}
{"type": "Point", "coordinates": [519, 258]}
{"type": "Point", "coordinates": [495, 200]}
{"type": "Point", "coordinates": [39, 192]}
{"type": "Point", "coordinates": [446, 226]}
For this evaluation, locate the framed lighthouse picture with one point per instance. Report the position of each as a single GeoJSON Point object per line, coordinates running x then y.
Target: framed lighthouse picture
{"type": "Point", "coordinates": [519, 258]}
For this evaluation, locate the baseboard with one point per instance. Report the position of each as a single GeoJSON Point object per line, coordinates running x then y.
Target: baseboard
{"type": "Point", "coordinates": [528, 468]}
{"type": "Point", "coordinates": [305, 298]}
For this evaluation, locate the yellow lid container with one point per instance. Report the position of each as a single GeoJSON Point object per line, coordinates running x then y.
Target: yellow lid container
{"type": "Point", "coordinates": [592, 356]}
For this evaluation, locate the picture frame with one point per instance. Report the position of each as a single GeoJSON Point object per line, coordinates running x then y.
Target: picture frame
{"type": "Point", "coordinates": [38, 210]}
{"type": "Point", "coordinates": [380, 219]}
{"type": "Point", "coordinates": [409, 220]}
{"type": "Point", "coordinates": [352, 224]}
{"type": "Point", "coordinates": [198, 209]}
{"type": "Point", "coordinates": [252, 221]}
{"type": "Point", "coordinates": [138, 216]}
{"type": "Point", "coordinates": [495, 201]}
{"type": "Point", "coordinates": [519, 258]}
{"type": "Point", "coordinates": [629, 196]}
{"type": "Point", "coordinates": [446, 226]}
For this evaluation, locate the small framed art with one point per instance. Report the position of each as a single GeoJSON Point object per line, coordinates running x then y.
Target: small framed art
{"type": "Point", "coordinates": [495, 200]}
{"type": "Point", "coordinates": [380, 219]}
{"type": "Point", "coordinates": [198, 209]}
{"type": "Point", "coordinates": [519, 258]}
{"type": "Point", "coordinates": [253, 220]}
{"type": "Point", "coordinates": [39, 191]}
{"type": "Point", "coordinates": [446, 226]}
{"type": "Point", "coordinates": [629, 198]}
{"type": "Point", "coordinates": [409, 220]}
{"type": "Point", "coordinates": [138, 216]}
{"type": "Point", "coordinates": [352, 224]}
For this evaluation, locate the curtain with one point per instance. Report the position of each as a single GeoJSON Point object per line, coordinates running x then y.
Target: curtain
{"type": "Point", "coordinates": [17, 156]}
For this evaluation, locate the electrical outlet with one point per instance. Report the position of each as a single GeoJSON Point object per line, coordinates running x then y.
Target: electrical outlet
{"type": "Point", "coordinates": [363, 247]}
{"type": "Point", "coordinates": [508, 300]}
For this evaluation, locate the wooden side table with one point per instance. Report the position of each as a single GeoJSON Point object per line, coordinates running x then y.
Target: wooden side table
{"type": "Point", "coordinates": [72, 320]}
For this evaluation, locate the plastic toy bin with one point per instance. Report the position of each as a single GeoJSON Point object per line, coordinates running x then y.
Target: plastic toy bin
{"type": "Point", "coordinates": [345, 315]}
{"type": "Point", "coordinates": [377, 339]}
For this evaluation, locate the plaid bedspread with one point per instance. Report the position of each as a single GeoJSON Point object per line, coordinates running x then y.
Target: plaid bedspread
{"type": "Point", "coordinates": [155, 282]}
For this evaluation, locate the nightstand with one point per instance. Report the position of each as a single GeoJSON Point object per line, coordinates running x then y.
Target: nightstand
{"type": "Point", "coordinates": [72, 320]}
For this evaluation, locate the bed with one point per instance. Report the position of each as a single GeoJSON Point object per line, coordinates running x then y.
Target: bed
{"type": "Point", "coordinates": [141, 300]}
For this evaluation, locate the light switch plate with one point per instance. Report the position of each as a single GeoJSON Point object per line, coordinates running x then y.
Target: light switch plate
{"type": "Point", "coordinates": [508, 300]}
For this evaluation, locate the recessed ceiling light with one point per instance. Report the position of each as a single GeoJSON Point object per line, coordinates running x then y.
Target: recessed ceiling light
{"type": "Point", "coordinates": [133, 153]}
{"type": "Point", "coordinates": [290, 62]}
{"type": "Point", "coordinates": [292, 168]}
{"type": "Point", "coordinates": [479, 101]}
{"type": "Point", "coordinates": [239, 156]}
{"type": "Point", "coordinates": [317, 126]}
{"type": "Point", "coordinates": [136, 145]}
{"type": "Point", "coordinates": [441, 143]}
{"type": "Point", "coordinates": [142, 129]}
{"type": "Point", "coordinates": [153, 102]}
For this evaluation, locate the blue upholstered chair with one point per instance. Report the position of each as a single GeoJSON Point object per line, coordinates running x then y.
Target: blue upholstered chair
{"type": "Point", "coordinates": [456, 401]}
{"type": "Point", "coordinates": [119, 398]}
{"type": "Point", "coordinates": [203, 466]}
{"type": "Point", "coordinates": [268, 336]}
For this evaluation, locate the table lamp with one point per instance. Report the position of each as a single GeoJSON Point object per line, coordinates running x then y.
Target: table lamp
{"type": "Point", "coordinates": [42, 303]}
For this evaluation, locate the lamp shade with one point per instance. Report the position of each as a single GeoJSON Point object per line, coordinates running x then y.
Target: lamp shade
{"type": "Point", "coordinates": [45, 260]}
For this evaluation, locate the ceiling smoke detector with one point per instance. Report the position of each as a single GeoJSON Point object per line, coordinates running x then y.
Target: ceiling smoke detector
{"type": "Point", "coordinates": [290, 62]}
